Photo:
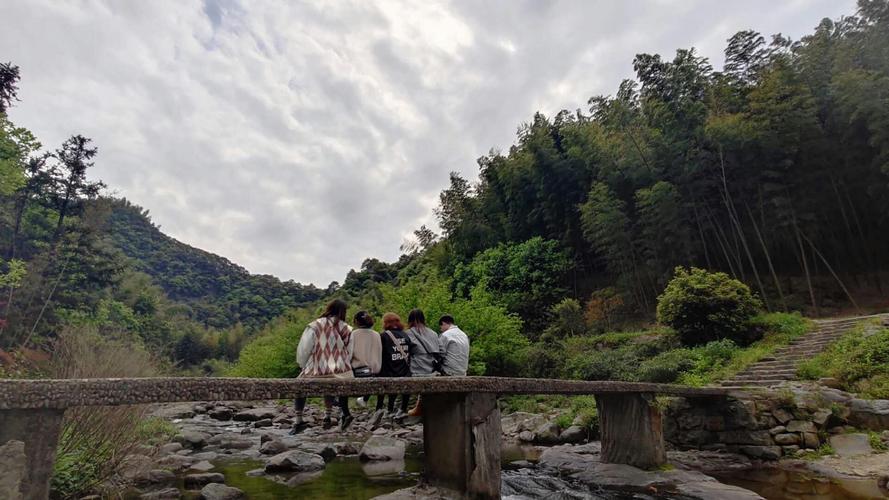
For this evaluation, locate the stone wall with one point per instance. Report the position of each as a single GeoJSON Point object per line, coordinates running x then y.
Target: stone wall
{"type": "Point", "coordinates": [769, 424]}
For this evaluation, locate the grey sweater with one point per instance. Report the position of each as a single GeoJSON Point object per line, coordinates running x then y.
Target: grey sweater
{"type": "Point", "coordinates": [424, 344]}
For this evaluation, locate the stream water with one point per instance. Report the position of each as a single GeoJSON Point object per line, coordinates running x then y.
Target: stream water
{"type": "Point", "coordinates": [349, 478]}
{"type": "Point", "coordinates": [778, 484]}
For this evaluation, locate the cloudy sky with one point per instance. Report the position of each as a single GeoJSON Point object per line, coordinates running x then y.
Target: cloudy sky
{"type": "Point", "coordinates": [298, 138]}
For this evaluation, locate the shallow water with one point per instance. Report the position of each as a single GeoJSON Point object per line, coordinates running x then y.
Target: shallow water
{"type": "Point", "coordinates": [779, 484]}
{"type": "Point", "coordinates": [343, 478]}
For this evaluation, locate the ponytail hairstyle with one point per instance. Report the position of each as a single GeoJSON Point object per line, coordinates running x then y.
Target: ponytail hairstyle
{"type": "Point", "coordinates": [364, 319]}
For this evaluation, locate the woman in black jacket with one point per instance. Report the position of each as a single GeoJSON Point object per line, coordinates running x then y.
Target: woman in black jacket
{"type": "Point", "coordinates": [396, 361]}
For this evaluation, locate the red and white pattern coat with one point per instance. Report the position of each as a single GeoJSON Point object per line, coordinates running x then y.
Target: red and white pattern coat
{"type": "Point", "coordinates": [325, 349]}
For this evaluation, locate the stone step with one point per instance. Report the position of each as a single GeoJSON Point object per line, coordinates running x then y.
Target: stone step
{"type": "Point", "coordinates": [815, 340]}
{"type": "Point", "coordinates": [812, 342]}
{"type": "Point", "coordinates": [763, 377]}
{"type": "Point", "coordinates": [818, 342]}
{"type": "Point", "coordinates": [818, 336]}
{"type": "Point", "coordinates": [798, 351]}
{"type": "Point", "coordinates": [791, 357]}
{"type": "Point", "coordinates": [759, 368]}
{"type": "Point", "coordinates": [749, 383]}
{"type": "Point", "coordinates": [796, 356]}
{"type": "Point", "coordinates": [761, 371]}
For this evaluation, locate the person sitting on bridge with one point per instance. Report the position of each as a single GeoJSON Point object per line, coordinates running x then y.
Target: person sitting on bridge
{"type": "Point", "coordinates": [426, 358]}
{"type": "Point", "coordinates": [454, 347]}
{"type": "Point", "coordinates": [325, 351]}
{"type": "Point", "coordinates": [396, 362]}
{"type": "Point", "coordinates": [367, 349]}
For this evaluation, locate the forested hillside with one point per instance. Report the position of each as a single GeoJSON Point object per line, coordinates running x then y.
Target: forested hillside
{"type": "Point", "coordinates": [74, 260]}
{"type": "Point", "coordinates": [773, 169]}
{"type": "Point", "coordinates": [219, 292]}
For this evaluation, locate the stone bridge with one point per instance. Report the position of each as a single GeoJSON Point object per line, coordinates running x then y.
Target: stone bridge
{"type": "Point", "coordinates": [466, 458]}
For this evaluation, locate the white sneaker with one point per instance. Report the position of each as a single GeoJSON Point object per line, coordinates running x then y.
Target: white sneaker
{"type": "Point", "coordinates": [361, 402]}
{"type": "Point", "coordinates": [399, 415]}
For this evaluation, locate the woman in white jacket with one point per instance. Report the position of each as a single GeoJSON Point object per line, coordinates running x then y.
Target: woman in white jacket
{"type": "Point", "coordinates": [325, 351]}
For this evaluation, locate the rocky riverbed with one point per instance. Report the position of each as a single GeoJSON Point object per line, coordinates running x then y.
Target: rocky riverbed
{"type": "Point", "coordinates": [230, 450]}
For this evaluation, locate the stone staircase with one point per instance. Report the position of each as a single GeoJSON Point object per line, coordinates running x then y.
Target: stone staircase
{"type": "Point", "coordinates": [781, 365]}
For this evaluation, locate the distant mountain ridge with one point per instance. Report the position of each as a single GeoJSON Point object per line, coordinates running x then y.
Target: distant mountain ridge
{"type": "Point", "coordinates": [219, 292]}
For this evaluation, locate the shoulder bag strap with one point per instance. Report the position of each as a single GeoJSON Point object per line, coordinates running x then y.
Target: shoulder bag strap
{"type": "Point", "coordinates": [420, 340]}
{"type": "Point", "coordinates": [398, 346]}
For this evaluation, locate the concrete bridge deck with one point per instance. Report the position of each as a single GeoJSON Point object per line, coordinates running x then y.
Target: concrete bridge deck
{"type": "Point", "coordinates": [464, 457]}
{"type": "Point", "coordinates": [61, 394]}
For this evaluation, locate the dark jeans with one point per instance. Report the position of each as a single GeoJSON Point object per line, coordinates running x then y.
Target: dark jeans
{"type": "Point", "coordinates": [405, 400]}
{"type": "Point", "coordinates": [329, 402]}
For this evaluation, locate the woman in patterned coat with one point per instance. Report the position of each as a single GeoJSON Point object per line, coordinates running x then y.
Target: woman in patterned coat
{"type": "Point", "coordinates": [325, 351]}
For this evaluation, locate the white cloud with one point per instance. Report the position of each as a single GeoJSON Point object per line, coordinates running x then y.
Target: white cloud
{"type": "Point", "coordinates": [297, 139]}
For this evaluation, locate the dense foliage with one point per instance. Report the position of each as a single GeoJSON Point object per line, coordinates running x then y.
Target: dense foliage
{"type": "Point", "coordinates": [656, 355]}
{"type": "Point", "coordinates": [774, 170]}
{"type": "Point", "coordinates": [859, 361]}
{"type": "Point", "coordinates": [703, 307]}
{"type": "Point", "coordinates": [219, 292]}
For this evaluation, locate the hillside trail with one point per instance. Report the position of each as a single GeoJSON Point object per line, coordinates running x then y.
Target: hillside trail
{"type": "Point", "coordinates": [780, 366]}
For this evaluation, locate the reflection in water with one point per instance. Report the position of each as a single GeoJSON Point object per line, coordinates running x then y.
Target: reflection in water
{"type": "Point", "coordinates": [387, 468]}
{"type": "Point", "coordinates": [512, 452]}
{"type": "Point", "coordinates": [779, 484]}
{"type": "Point", "coordinates": [343, 478]}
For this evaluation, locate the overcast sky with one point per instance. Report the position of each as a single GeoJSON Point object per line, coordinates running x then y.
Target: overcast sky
{"type": "Point", "coordinates": [298, 138]}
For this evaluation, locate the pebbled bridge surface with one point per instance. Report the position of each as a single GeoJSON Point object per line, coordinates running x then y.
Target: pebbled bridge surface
{"type": "Point", "coordinates": [60, 394]}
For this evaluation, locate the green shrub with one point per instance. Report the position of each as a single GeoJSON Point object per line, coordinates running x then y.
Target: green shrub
{"type": "Point", "coordinates": [667, 366]}
{"type": "Point", "coordinates": [497, 344]}
{"type": "Point", "coordinates": [545, 360]}
{"type": "Point", "coordinates": [616, 364]}
{"type": "Point", "coordinates": [272, 354]}
{"type": "Point", "coordinates": [714, 355]}
{"type": "Point", "coordinates": [155, 430]}
{"type": "Point", "coordinates": [811, 369]}
{"type": "Point", "coordinates": [860, 362]}
{"type": "Point", "coordinates": [876, 442]}
{"type": "Point", "coordinates": [567, 321]}
{"type": "Point", "coordinates": [703, 306]}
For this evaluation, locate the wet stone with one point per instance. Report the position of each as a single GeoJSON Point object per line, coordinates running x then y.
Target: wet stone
{"type": "Point", "coordinates": [216, 491]}
{"type": "Point", "coordinates": [197, 481]}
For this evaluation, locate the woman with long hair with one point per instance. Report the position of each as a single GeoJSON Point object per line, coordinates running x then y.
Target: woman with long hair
{"type": "Point", "coordinates": [425, 352]}
{"type": "Point", "coordinates": [325, 351]}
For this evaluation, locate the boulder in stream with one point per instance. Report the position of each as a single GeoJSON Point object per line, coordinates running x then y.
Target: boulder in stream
{"type": "Point", "coordinates": [255, 414]}
{"type": "Point", "coordinates": [295, 461]}
{"type": "Point", "coordinates": [164, 494]}
{"type": "Point", "coordinates": [196, 481]}
{"type": "Point", "coordinates": [382, 448]}
{"type": "Point", "coordinates": [216, 491]}
{"type": "Point", "coordinates": [192, 439]}
{"type": "Point", "coordinates": [547, 434]}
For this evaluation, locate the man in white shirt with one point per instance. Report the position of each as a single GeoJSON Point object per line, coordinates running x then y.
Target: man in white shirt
{"type": "Point", "coordinates": [454, 347]}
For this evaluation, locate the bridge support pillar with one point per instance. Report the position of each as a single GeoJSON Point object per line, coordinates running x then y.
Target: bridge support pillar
{"type": "Point", "coordinates": [461, 438]}
{"type": "Point", "coordinates": [39, 431]}
{"type": "Point", "coordinates": [631, 430]}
